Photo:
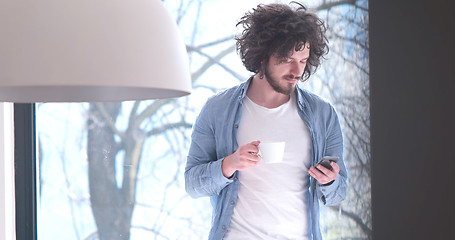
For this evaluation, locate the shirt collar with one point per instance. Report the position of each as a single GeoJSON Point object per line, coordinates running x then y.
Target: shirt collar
{"type": "Point", "coordinates": [244, 89]}
{"type": "Point", "coordinates": [300, 98]}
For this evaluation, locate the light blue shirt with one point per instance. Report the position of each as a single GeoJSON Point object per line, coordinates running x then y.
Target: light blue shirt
{"type": "Point", "coordinates": [215, 136]}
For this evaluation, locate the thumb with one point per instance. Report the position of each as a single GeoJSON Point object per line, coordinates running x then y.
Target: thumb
{"type": "Point", "coordinates": [256, 143]}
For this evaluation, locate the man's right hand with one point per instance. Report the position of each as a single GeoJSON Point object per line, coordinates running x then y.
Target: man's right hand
{"type": "Point", "coordinates": [244, 158]}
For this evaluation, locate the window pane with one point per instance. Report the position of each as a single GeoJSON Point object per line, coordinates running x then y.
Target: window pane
{"type": "Point", "coordinates": [106, 173]}
{"type": "Point", "coordinates": [115, 170]}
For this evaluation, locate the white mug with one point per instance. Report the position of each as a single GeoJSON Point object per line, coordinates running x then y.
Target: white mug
{"type": "Point", "coordinates": [271, 152]}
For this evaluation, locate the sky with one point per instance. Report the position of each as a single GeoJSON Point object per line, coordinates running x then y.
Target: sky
{"type": "Point", "coordinates": [65, 191]}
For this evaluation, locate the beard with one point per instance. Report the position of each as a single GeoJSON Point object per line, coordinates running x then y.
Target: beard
{"type": "Point", "coordinates": [287, 89]}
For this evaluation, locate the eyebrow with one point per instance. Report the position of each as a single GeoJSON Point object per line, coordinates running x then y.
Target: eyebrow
{"type": "Point", "coordinates": [305, 59]}
{"type": "Point", "coordinates": [289, 57]}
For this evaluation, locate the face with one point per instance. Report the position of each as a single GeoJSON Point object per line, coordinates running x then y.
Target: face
{"type": "Point", "coordinates": [283, 74]}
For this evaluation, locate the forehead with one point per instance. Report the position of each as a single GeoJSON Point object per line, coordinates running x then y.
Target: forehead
{"type": "Point", "coordinates": [302, 53]}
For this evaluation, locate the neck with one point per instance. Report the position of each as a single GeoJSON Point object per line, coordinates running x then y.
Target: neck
{"type": "Point", "coordinates": [261, 93]}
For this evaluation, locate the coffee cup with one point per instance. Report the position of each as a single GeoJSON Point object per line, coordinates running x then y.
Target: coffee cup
{"type": "Point", "coordinates": [271, 152]}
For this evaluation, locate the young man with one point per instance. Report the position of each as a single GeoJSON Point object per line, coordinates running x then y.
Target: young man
{"type": "Point", "coordinates": [252, 199]}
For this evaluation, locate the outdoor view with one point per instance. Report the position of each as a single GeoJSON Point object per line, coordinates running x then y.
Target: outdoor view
{"type": "Point", "coordinates": [113, 171]}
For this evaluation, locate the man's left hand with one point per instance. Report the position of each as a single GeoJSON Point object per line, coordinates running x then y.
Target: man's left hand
{"type": "Point", "coordinates": [324, 175]}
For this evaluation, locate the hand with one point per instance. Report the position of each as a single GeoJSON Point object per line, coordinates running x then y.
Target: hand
{"type": "Point", "coordinates": [324, 175]}
{"type": "Point", "coordinates": [244, 158]}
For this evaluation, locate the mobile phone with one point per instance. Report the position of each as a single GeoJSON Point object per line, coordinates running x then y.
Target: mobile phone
{"type": "Point", "coordinates": [325, 161]}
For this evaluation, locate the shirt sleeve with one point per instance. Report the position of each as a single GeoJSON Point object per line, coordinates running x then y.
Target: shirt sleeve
{"type": "Point", "coordinates": [335, 192]}
{"type": "Point", "coordinates": [203, 174]}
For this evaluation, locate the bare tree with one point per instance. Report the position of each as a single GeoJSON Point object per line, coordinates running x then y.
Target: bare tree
{"type": "Point", "coordinates": [345, 80]}
{"type": "Point", "coordinates": [113, 203]}
{"type": "Point", "coordinates": [110, 144]}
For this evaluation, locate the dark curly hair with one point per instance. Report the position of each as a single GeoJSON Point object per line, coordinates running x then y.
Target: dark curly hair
{"type": "Point", "coordinates": [278, 28]}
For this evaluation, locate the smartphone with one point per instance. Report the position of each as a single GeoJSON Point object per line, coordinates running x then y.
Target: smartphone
{"type": "Point", "coordinates": [325, 161]}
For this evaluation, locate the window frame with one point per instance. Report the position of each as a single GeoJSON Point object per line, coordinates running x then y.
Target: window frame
{"type": "Point", "coordinates": [25, 171]}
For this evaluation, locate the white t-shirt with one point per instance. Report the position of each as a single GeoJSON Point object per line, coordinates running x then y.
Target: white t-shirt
{"type": "Point", "coordinates": [273, 197]}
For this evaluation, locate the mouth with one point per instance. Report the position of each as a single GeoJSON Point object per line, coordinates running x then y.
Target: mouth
{"type": "Point", "coordinates": [291, 79]}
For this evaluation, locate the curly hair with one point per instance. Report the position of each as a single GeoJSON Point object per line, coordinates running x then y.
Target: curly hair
{"type": "Point", "coordinates": [278, 28]}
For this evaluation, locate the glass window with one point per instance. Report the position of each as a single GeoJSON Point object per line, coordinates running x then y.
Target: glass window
{"type": "Point", "coordinates": [115, 170]}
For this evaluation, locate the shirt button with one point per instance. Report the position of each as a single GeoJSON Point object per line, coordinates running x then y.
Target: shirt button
{"type": "Point", "coordinates": [236, 126]}
{"type": "Point", "coordinates": [235, 179]}
{"type": "Point", "coordinates": [232, 202]}
{"type": "Point", "coordinates": [223, 227]}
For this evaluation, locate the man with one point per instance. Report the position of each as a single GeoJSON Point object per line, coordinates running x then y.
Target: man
{"type": "Point", "coordinates": [252, 199]}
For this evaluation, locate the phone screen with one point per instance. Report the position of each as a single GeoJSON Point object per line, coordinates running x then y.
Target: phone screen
{"type": "Point", "coordinates": [325, 161]}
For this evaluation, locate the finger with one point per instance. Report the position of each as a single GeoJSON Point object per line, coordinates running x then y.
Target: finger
{"type": "Point", "coordinates": [254, 157]}
{"type": "Point", "coordinates": [250, 147]}
{"type": "Point", "coordinates": [257, 155]}
{"type": "Point", "coordinates": [320, 177]}
{"type": "Point", "coordinates": [323, 169]}
{"type": "Point", "coordinates": [253, 146]}
{"type": "Point", "coordinates": [255, 143]}
{"type": "Point", "coordinates": [249, 156]}
{"type": "Point", "coordinates": [254, 163]}
{"type": "Point", "coordinates": [335, 167]}
{"type": "Point", "coordinates": [314, 172]}
{"type": "Point", "coordinates": [248, 163]}
{"type": "Point", "coordinates": [331, 174]}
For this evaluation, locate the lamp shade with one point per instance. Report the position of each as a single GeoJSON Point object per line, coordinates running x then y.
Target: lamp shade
{"type": "Point", "coordinates": [89, 51]}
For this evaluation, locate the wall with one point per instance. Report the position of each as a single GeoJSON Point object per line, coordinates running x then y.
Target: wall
{"type": "Point", "coordinates": [412, 118]}
{"type": "Point", "coordinates": [7, 220]}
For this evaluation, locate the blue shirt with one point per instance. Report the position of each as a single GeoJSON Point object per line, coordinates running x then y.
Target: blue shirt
{"type": "Point", "coordinates": [215, 136]}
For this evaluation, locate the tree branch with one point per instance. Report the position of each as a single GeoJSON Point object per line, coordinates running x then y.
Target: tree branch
{"type": "Point", "coordinates": [210, 44]}
{"type": "Point", "coordinates": [150, 230]}
{"type": "Point", "coordinates": [328, 5]}
{"type": "Point", "coordinates": [214, 60]}
{"type": "Point", "coordinates": [354, 40]}
{"type": "Point", "coordinates": [133, 111]}
{"type": "Point", "coordinates": [169, 126]}
{"type": "Point", "coordinates": [149, 111]}
{"type": "Point", "coordinates": [351, 62]}
{"type": "Point", "coordinates": [109, 120]}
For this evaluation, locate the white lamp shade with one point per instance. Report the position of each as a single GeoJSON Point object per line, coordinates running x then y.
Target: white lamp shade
{"type": "Point", "coordinates": [89, 51]}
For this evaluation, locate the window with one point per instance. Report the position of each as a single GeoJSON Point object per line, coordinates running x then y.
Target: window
{"type": "Point", "coordinates": [117, 168]}
{"type": "Point", "coordinates": [7, 217]}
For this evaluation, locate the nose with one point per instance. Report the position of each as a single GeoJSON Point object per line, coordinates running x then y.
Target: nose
{"type": "Point", "coordinates": [297, 68]}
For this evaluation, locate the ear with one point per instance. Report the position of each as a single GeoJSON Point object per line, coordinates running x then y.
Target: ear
{"type": "Point", "coordinates": [261, 72]}
{"type": "Point", "coordinates": [262, 69]}
{"type": "Point", "coordinates": [264, 62]}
